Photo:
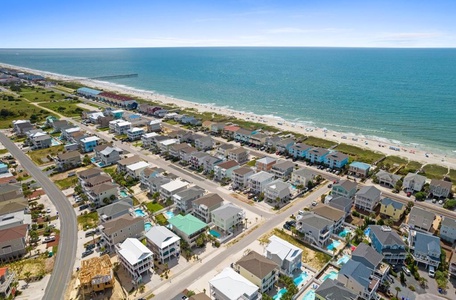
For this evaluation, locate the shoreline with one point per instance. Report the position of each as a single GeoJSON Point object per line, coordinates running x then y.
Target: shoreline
{"type": "Point", "coordinates": [365, 142]}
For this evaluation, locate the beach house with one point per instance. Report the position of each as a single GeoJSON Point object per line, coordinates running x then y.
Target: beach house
{"type": "Point", "coordinates": [186, 154]}
{"type": "Point", "coordinates": [242, 135]}
{"type": "Point", "coordinates": [39, 140]}
{"type": "Point", "coordinates": [148, 139]}
{"type": "Point", "coordinates": [367, 198]}
{"type": "Point", "coordinates": [115, 210]}
{"type": "Point", "coordinates": [388, 243]}
{"type": "Point", "coordinates": [68, 160]}
{"type": "Point", "coordinates": [122, 127]}
{"type": "Point", "coordinates": [119, 100]}
{"type": "Point", "coordinates": [259, 270]}
{"type": "Point", "coordinates": [88, 92]}
{"type": "Point", "coordinates": [344, 188]}
{"type": "Point", "coordinates": [121, 228]}
{"type": "Point", "coordinates": [225, 169]}
{"type": "Point", "coordinates": [334, 290]}
{"type": "Point", "coordinates": [420, 219]}
{"type": "Point", "coordinates": [425, 248]}
{"type": "Point", "coordinates": [315, 229]}
{"type": "Point", "coordinates": [240, 177]}
{"type": "Point", "coordinates": [102, 193]}
{"type": "Point", "coordinates": [227, 217]}
{"type": "Point", "coordinates": [154, 126]}
{"type": "Point", "coordinates": [336, 160]}
{"type": "Point", "coordinates": [342, 203]}
{"type": "Point", "coordinates": [335, 215]}
{"type": "Point", "coordinates": [20, 127]}
{"type": "Point", "coordinates": [163, 242]}
{"type": "Point", "coordinates": [229, 285]}
{"type": "Point", "coordinates": [265, 164]}
{"type": "Point", "coordinates": [282, 169]}
{"type": "Point", "coordinates": [204, 206]}
{"type": "Point", "coordinates": [89, 143]}
{"type": "Point", "coordinates": [257, 182]}
{"type": "Point", "coordinates": [134, 170]}
{"type": "Point", "coordinates": [388, 179]}
{"type": "Point", "coordinates": [171, 188]}
{"type": "Point", "coordinates": [222, 150]}
{"type": "Point", "coordinates": [299, 150]}
{"type": "Point", "coordinates": [13, 242]}
{"type": "Point", "coordinates": [241, 155]}
{"type": "Point", "coordinates": [317, 155]}
{"type": "Point", "coordinates": [7, 280]}
{"type": "Point", "coordinates": [197, 159]}
{"type": "Point", "coordinates": [358, 278]}
{"type": "Point", "coordinates": [203, 142]}
{"type": "Point", "coordinates": [184, 199]}
{"type": "Point", "coordinates": [440, 188]}
{"type": "Point", "coordinates": [302, 177]}
{"type": "Point", "coordinates": [284, 145]}
{"type": "Point", "coordinates": [277, 191]}
{"type": "Point", "coordinates": [448, 229]}
{"type": "Point", "coordinates": [413, 182]}
{"type": "Point", "coordinates": [187, 227]}
{"type": "Point", "coordinates": [107, 155]}
{"type": "Point", "coordinates": [391, 208]}
{"type": "Point", "coordinates": [359, 169]}
{"type": "Point", "coordinates": [367, 255]}
{"type": "Point", "coordinates": [135, 133]}
{"type": "Point", "coordinates": [123, 163]}
{"type": "Point", "coordinates": [135, 258]}
{"type": "Point", "coordinates": [287, 256]}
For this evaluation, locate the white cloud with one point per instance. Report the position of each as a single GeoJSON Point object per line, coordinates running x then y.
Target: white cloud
{"type": "Point", "coordinates": [304, 30]}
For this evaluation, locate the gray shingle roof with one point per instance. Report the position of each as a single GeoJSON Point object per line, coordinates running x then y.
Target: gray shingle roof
{"type": "Point", "coordinates": [427, 243]}
{"type": "Point", "coordinates": [114, 208]}
{"type": "Point", "coordinates": [227, 211]}
{"type": "Point", "coordinates": [370, 192]}
{"type": "Point", "coordinates": [449, 222]}
{"type": "Point", "coordinates": [365, 253]}
{"type": "Point", "coordinates": [356, 270]}
{"type": "Point", "coordinates": [386, 237]}
{"type": "Point", "coordinates": [341, 201]}
{"type": "Point", "coordinates": [334, 290]}
{"type": "Point", "coordinates": [257, 264]}
{"type": "Point", "coordinates": [347, 184]}
{"type": "Point", "coordinates": [314, 220]}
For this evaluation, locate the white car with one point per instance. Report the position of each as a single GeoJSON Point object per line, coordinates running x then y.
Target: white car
{"type": "Point", "coordinates": [48, 210]}
{"type": "Point", "coordinates": [440, 202]}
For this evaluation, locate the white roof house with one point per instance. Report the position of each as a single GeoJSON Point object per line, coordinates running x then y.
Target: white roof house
{"type": "Point", "coordinates": [90, 139]}
{"type": "Point", "coordinates": [123, 123]}
{"type": "Point", "coordinates": [162, 236]}
{"type": "Point", "coordinates": [286, 255]}
{"type": "Point", "coordinates": [96, 115]}
{"type": "Point", "coordinates": [169, 142]}
{"type": "Point", "coordinates": [133, 251]}
{"type": "Point", "coordinates": [174, 185]}
{"type": "Point", "coordinates": [150, 135]}
{"type": "Point", "coordinates": [230, 285]}
{"type": "Point", "coordinates": [72, 129]}
{"type": "Point", "coordinates": [138, 166]}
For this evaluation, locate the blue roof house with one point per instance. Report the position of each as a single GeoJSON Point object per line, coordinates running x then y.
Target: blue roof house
{"type": "Point", "coordinates": [3, 168]}
{"type": "Point", "coordinates": [336, 160]}
{"type": "Point", "coordinates": [88, 92]}
{"type": "Point", "coordinates": [359, 169]}
{"type": "Point", "coordinates": [299, 150]}
{"type": "Point", "coordinates": [88, 144]}
{"type": "Point", "coordinates": [425, 247]}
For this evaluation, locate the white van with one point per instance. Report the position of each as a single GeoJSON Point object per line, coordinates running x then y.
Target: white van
{"type": "Point", "coordinates": [431, 271]}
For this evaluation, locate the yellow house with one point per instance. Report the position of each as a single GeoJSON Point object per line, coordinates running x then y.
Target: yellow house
{"type": "Point", "coordinates": [96, 274]}
{"type": "Point", "coordinates": [259, 270]}
{"type": "Point", "coordinates": [392, 209]}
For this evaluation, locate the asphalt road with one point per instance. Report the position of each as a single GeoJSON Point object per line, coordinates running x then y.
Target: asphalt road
{"type": "Point", "coordinates": [64, 263]}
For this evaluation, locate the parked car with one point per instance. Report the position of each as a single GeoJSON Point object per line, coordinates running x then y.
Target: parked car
{"type": "Point", "coordinates": [49, 239]}
{"type": "Point", "coordinates": [409, 194]}
{"type": "Point", "coordinates": [431, 271]}
{"type": "Point", "coordinates": [287, 226]}
{"type": "Point", "coordinates": [440, 202]}
{"type": "Point", "coordinates": [90, 246]}
{"type": "Point", "coordinates": [87, 253]}
{"type": "Point", "coordinates": [90, 233]}
{"type": "Point", "coordinates": [314, 203]}
{"type": "Point", "coordinates": [434, 200]}
{"type": "Point", "coordinates": [406, 271]}
{"type": "Point", "coordinates": [330, 185]}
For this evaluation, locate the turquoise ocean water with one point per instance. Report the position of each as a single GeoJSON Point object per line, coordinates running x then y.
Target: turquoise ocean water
{"type": "Point", "coordinates": [403, 95]}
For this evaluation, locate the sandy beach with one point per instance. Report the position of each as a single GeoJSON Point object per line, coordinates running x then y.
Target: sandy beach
{"type": "Point", "coordinates": [415, 154]}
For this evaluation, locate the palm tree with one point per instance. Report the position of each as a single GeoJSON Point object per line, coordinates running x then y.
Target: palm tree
{"type": "Point", "coordinates": [398, 289]}
{"type": "Point", "coordinates": [348, 238]}
{"type": "Point", "coordinates": [27, 277]}
{"type": "Point", "coordinates": [423, 282]}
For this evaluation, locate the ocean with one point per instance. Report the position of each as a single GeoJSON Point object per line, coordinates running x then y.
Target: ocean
{"type": "Point", "coordinates": [407, 96]}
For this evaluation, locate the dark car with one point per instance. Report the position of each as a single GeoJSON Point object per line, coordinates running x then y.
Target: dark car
{"type": "Point", "coordinates": [90, 247]}
{"type": "Point", "coordinates": [287, 226]}
{"type": "Point", "coordinates": [90, 233]}
{"type": "Point", "coordinates": [87, 253]}
{"type": "Point", "coordinates": [292, 223]}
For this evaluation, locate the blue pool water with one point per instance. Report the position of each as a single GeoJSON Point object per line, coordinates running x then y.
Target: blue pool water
{"type": "Point", "coordinates": [367, 231]}
{"type": "Point", "coordinates": [279, 294]}
{"type": "Point", "coordinates": [331, 275]}
{"type": "Point", "coordinates": [147, 226]}
{"type": "Point", "coordinates": [298, 280]}
{"type": "Point", "coordinates": [214, 233]}
{"type": "Point", "coordinates": [343, 260]}
{"type": "Point", "coordinates": [169, 214]}
{"type": "Point", "coordinates": [310, 295]}
{"type": "Point", "coordinates": [333, 245]}
{"type": "Point", "coordinates": [54, 142]}
{"type": "Point", "coordinates": [139, 212]}
{"type": "Point", "coordinates": [123, 194]}
{"type": "Point", "coordinates": [344, 232]}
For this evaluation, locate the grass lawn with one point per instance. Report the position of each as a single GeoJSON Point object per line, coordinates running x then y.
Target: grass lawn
{"type": "Point", "coordinates": [317, 142]}
{"type": "Point", "coordinates": [3, 151]}
{"type": "Point", "coordinates": [453, 177]}
{"type": "Point", "coordinates": [36, 266]}
{"type": "Point", "coordinates": [89, 220]}
{"type": "Point", "coordinates": [110, 170]}
{"type": "Point", "coordinates": [311, 257]}
{"type": "Point", "coordinates": [68, 108]}
{"type": "Point", "coordinates": [103, 129]}
{"type": "Point", "coordinates": [251, 163]}
{"type": "Point", "coordinates": [38, 155]}
{"type": "Point", "coordinates": [65, 89]}
{"type": "Point", "coordinates": [40, 95]}
{"type": "Point", "coordinates": [359, 154]}
{"type": "Point", "coordinates": [161, 220]}
{"type": "Point", "coordinates": [121, 136]}
{"type": "Point", "coordinates": [171, 122]}
{"type": "Point", "coordinates": [153, 207]}
{"type": "Point", "coordinates": [434, 171]}
{"type": "Point", "coordinates": [66, 182]}
{"type": "Point", "coordinates": [20, 109]}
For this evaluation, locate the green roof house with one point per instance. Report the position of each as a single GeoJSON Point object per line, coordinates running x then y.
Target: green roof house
{"type": "Point", "coordinates": [187, 227]}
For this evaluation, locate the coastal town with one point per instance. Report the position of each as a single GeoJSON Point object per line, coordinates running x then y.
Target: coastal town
{"type": "Point", "coordinates": [108, 196]}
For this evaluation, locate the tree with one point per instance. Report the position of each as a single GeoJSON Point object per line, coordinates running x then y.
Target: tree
{"type": "Point", "coordinates": [348, 238]}
{"type": "Point", "coordinates": [27, 277]}
{"type": "Point", "coordinates": [86, 160]}
{"type": "Point", "coordinates": [423, 282]}
{"type": "Point", "coordinates": [402, 278]}
{"type": "Point", "coordinates": [398, 289]}
{"type": "Point", "coordinates": [420, 196]}
{"type": "Point", "coordinates": [450, 204]}
{"type": "Point", "coordinates": [398, 185]}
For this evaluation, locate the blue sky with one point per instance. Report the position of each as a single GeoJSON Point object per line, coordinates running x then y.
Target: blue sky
{"type": "Point", "coordinates": [172, 23]}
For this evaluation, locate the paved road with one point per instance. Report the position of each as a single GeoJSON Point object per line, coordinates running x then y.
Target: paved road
{"type": "Point", "coordinates": [66, 254]}
{"type": "Point", "coordinates": [185, 280]}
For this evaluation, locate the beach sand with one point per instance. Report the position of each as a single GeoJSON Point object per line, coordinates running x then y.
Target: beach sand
{"type": "Point", "coordinates": [414, 154]}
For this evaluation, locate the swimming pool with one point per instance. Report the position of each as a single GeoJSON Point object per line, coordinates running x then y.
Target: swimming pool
{"type": "Point", "coordinates": [310, 295]}
{"type": "Point", "coordinates": [214, 233]}
{"type": "Point", "coordinates": [333, 245]}
{"type": "Point", "coordinates": [55, 142]}
{"type": "Point", "coordinates": [298, 280]}
{"type": "Point", "coordinates": [344, 232]}
{"type": "Point", "coordinates": [279, 294]}
{"type": "Point", "coordinates": [331, 275]}
{"type": "Point", "coordinates": [169, 214]}
{"type": "Point", "coordinates": [343, 260]}
{"type": "Point", "coordinates": [139, 212]}
{"type": "Point", "coordinates": [147, 226]}
{"type": "Point", "coordinates": [367, 231]}
{"type": "Point", "coordinates": [123, 194]}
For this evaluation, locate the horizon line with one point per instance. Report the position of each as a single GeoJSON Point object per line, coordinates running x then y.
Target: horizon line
{"type": "Point", "coordinates": [168, 47]}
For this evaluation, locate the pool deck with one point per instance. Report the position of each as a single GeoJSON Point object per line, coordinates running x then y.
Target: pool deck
{"type": "Point", "coordinates": [327, 271]}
